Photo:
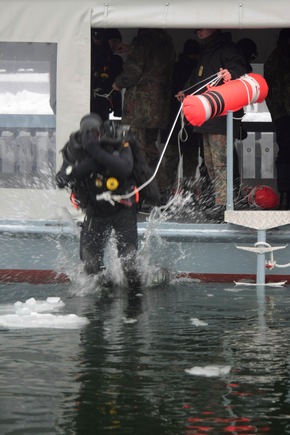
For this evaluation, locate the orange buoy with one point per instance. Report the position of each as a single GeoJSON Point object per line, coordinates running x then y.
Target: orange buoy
{"type": "Point", "coordinates": [217, 101]}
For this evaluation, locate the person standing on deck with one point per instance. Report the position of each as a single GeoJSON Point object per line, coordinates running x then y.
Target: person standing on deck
{"type": "Point", "coordinates": [186, 140]}
{"type": "Point", "coordinates": [218, 55]}
{"type": "Point", "coordinates": [147, 78]}
{"type": "Point", "coordinates": [277, 75]}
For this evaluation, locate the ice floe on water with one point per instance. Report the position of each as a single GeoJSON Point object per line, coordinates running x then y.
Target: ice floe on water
{"type": "Point", "coordinates": [129, 320]}
{"type": "Point", "coordinates": [39, 314]}
{"type": "Point", "coordinates": [197, 322]}
{"type": "Point", "coordinates": [32, 305]}
{"type": "Point", "coordinates": [209, 371]}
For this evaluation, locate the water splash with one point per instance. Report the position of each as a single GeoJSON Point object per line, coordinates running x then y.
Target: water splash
{"type": "Point", "coordinates": [113, 275]}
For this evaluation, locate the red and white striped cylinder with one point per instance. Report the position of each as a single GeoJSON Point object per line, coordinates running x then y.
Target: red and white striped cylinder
{"type": "Point", "coordinates": [217, 101]}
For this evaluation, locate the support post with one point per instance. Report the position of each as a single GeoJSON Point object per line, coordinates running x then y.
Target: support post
{"type": "Point", "coordinates": [230, 164]}
{"type": "Point", "coordinates": [261, 259]}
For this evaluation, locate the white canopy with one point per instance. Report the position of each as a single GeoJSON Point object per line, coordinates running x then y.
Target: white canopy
{"type": "Point", "coordinates": [68, 23]}
{"type": "Point", "coordinates": [192, 14]}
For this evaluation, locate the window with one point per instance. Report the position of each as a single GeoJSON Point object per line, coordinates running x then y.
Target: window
{"type": "Point", "coordinates": [27, 114]}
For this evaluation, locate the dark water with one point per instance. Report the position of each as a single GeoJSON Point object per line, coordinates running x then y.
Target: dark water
{"type": "Point", "coordinates": [134, 368]}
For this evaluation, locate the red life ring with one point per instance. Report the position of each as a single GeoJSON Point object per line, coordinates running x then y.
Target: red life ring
{"type": "Point", "coordinates": [233, 95]}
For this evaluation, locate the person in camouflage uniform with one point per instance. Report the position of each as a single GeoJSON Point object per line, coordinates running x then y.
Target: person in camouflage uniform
{"type": "Point", "coordinates": [277, 75]}
{"type": "Point", "coordinates": [190, 143]}
{"type": "Point", "coordinates": [218, 54]}
{"type": "Point", "coordinates": [147, 78]}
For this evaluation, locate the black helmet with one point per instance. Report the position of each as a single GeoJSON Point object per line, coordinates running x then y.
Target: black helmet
{"type": "Point", "coordinates": [248, 48]}
{"type": "Point", "coordinates": [91, 121]}
{"type": "Point", "coordinates": [113, 34]}
{"type": "Point", "coordinates": [284, 35]}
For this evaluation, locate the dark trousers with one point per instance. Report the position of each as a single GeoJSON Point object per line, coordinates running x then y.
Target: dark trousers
{"type": "Point", "coordinates": [96, 232]}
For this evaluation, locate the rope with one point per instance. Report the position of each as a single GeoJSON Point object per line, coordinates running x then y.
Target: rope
{"type": "Point", "coordinates": [208, 80]}
{"type": "Point", "coordinates": [247, 90]}
{"type": "Point", "coordinates": [103, 95]}
{"type": "Point", "coordinates": [255, 89]}
{"type": "Point", "coordinates": [117, 198]}
{"type": "Point", "coordinates": [106, 96]}
{"type": "Point", "coordinates": [281, 266]}
{"type": "Point", "coordinates": [270, 264]}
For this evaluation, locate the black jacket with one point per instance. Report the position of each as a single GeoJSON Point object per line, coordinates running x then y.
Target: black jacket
{"type": "Point", "coordinates": [218, 51]}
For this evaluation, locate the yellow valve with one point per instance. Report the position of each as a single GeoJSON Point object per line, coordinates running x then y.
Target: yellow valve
{"type": "Point", "coordinates": [112, 183]}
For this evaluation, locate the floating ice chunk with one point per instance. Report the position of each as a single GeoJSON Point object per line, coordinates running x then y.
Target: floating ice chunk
{"type": "Point", "coordinates": [31, 305]}
{"type": "Point", "coordinates": [30, 301]}
{"type": "Point", "coordinates": [209, 371]}
{"type": "Point", "coordinates": [36, 314]}
{"type": "Point", "coordinates": [197, 322]}
{"type": "Point", "coordinates": [37, 320]}
{"type": "Point", "coordinates": [126, 320]}
{"type": "Point", "coordinates": [234, 290]}
{"type": "Point", "coordinates": [53, 299]}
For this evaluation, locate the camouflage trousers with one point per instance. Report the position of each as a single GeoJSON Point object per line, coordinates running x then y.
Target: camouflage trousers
{"type": "Point", "coordinates": [215, 158]}
{"type": "Point", "coordinates": [148, 138]}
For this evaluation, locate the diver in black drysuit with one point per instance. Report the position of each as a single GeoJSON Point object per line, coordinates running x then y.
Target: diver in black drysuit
{"type": "Point", "coordinates": [94, 163]}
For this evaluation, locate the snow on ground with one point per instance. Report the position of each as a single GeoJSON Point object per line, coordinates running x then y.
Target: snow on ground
{"type": "Point", "coordinates": [25, 102]}
{"type": "Point", "coordinates": [24, 94]}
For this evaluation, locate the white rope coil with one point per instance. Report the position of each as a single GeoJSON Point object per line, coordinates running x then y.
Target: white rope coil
{"type": "Point", "coordinates": [264, 247]}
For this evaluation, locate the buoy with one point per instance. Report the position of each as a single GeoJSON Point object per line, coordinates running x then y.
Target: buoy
{"type": "Point", "coordinates": [217, 101]}
{"type": "Point", "coordinates": [263, 197]}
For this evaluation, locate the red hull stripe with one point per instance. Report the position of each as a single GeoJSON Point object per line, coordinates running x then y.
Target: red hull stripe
{"type": "Point", "coordinates": [33, 276]}
{"type": "Point", "coordinates": [52, 277]}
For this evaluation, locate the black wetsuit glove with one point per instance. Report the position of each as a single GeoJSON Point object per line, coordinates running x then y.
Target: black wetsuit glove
{"type": "Point", "coordinates": [62, 178]}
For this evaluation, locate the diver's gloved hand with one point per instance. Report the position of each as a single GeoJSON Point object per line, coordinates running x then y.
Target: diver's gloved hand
{"type": "Point", "coordinates": [63, 179]}
{"type": "Point", "coordinates": [91, 143]}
